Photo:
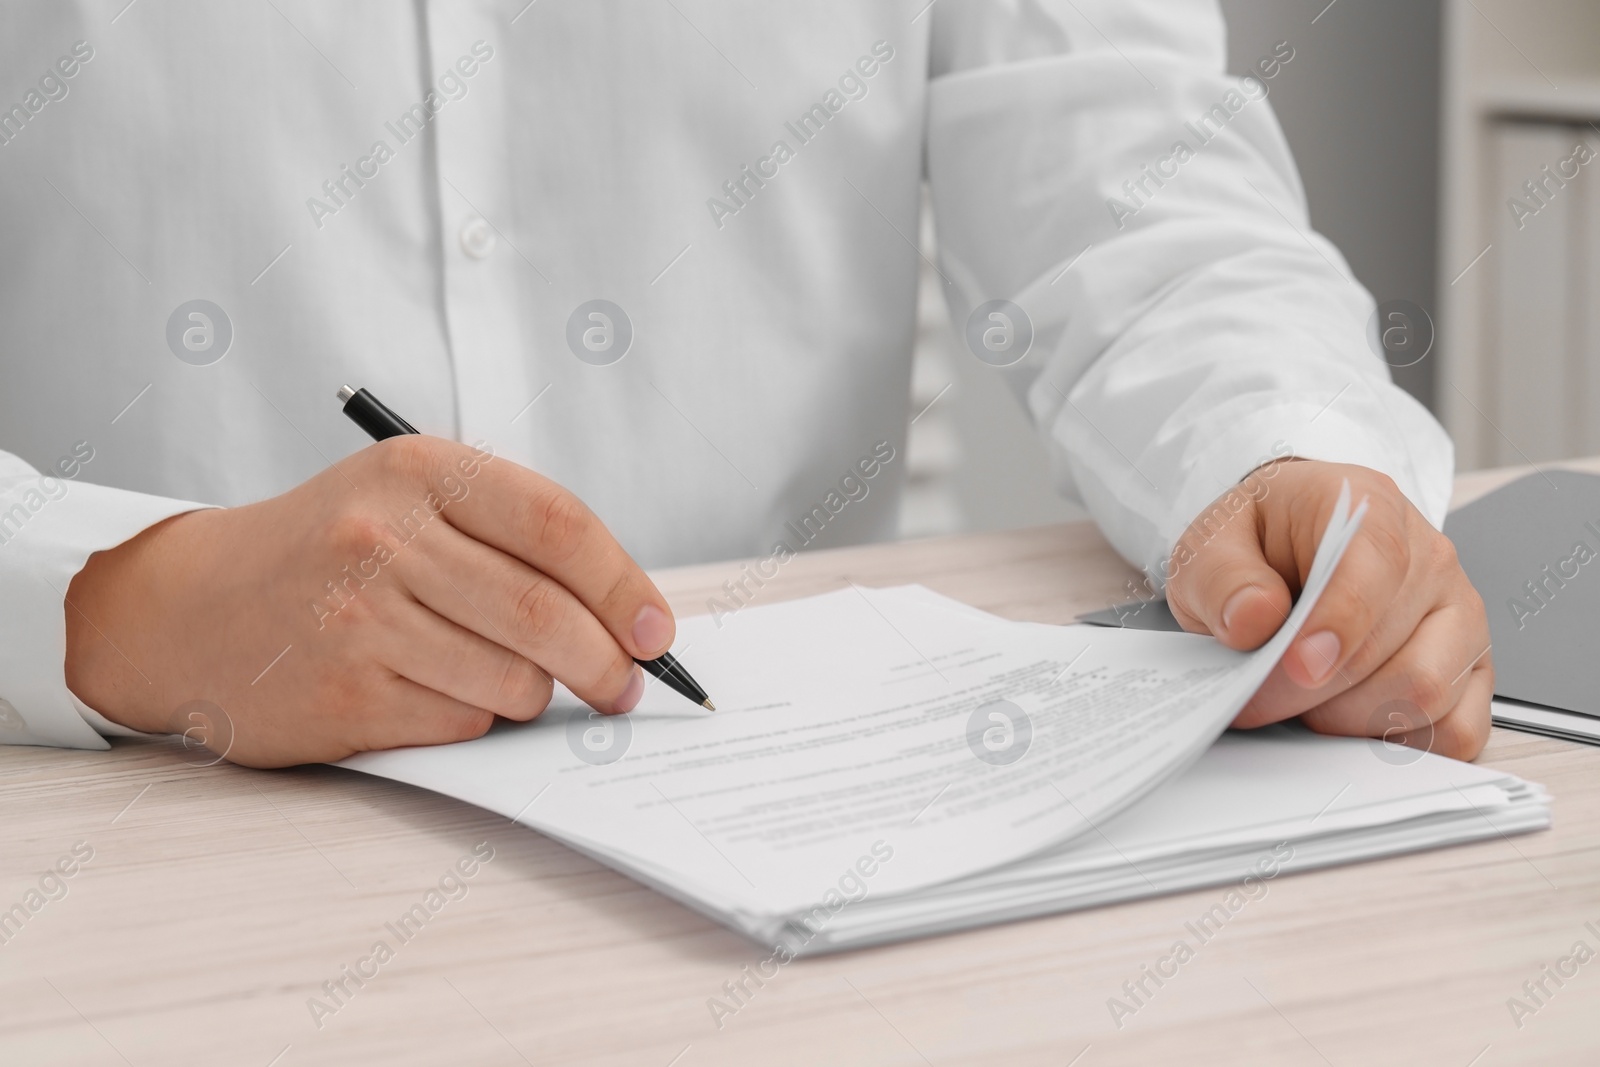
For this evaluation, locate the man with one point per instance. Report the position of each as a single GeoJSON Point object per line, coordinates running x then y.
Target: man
{"type": "Point", "coordinates": [660, 253]}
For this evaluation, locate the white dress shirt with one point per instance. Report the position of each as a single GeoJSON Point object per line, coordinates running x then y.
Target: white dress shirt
{"type": "Point", "coordinates": [426, 198]}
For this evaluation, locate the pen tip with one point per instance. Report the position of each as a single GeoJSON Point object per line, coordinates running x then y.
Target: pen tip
{"type": "Point", "coordinates": [345, 392]}
{"type": "Point", "coordinates": [710, 706]}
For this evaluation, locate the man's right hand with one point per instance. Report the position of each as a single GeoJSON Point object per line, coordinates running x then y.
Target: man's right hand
{"type": "Point", "coordinates": [406, 597]}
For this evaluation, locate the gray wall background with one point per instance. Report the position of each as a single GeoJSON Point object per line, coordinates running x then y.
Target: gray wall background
{"type": "Point", "coordinates": [1360, 107]}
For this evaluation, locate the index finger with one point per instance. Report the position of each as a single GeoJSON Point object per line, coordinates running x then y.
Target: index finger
{"type": "Point", "coordinates": [1363, 587]}
{"type": "Point", "coordinates": [528, 516]}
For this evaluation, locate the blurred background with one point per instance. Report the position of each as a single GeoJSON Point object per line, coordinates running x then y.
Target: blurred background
{"type": "Point", "coordinates": [1437, 140]}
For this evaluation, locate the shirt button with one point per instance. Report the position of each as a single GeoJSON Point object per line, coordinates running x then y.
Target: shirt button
{"type": "Point", "coordinates": [477, 238]}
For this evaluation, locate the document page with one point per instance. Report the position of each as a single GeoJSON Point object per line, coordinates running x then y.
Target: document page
{"type": "Point", "coordinates": [859, 724]}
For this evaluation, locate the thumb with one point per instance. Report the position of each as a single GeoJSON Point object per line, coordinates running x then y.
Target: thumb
{"type": "Point", "coordinates": [1219, 581]}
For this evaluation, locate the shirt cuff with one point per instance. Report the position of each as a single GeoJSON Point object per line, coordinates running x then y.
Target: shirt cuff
{"type": "Point", "coordinates": [49, 527]}
{"type": "Point", "coordinates": [104, 726]}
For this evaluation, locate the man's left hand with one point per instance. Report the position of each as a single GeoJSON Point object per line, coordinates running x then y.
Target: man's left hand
{"type": "Point", "coordinates": [1398, 645]}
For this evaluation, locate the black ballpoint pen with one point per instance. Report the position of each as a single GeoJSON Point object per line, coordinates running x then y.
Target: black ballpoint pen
{"type": "Point", "coordinates": [369, 413]}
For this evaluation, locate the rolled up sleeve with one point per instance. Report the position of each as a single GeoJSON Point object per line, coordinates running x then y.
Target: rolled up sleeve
{"type": "Point", "coordinates": [1187, 323]}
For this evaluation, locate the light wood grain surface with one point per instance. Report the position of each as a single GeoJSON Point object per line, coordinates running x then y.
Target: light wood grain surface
{"type": "Point", "coordinates": [219, 900]}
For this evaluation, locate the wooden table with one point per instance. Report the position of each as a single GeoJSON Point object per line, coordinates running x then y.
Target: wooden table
{"type": "Point", "coordinates": [219, 900]}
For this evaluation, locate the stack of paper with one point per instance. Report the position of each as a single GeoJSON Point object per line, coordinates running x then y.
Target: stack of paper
{"type": "Point", "coordinates": [889, 763]}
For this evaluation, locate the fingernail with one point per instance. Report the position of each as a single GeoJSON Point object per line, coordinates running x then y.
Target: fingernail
{"type": "Point", "coordinates": [630, 696]}
{"type": "Point", "coordinates": [1235, 602]}
{"type": "Point", "coordinates": [1319, 654]}
{"type": "Point", "coordinates": [652, 630]}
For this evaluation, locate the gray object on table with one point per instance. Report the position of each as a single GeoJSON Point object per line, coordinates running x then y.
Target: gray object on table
{"type": "Point", "coordinates": [1532, 549]}
{"type": "Point", "coordinates": [1135, 615]}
